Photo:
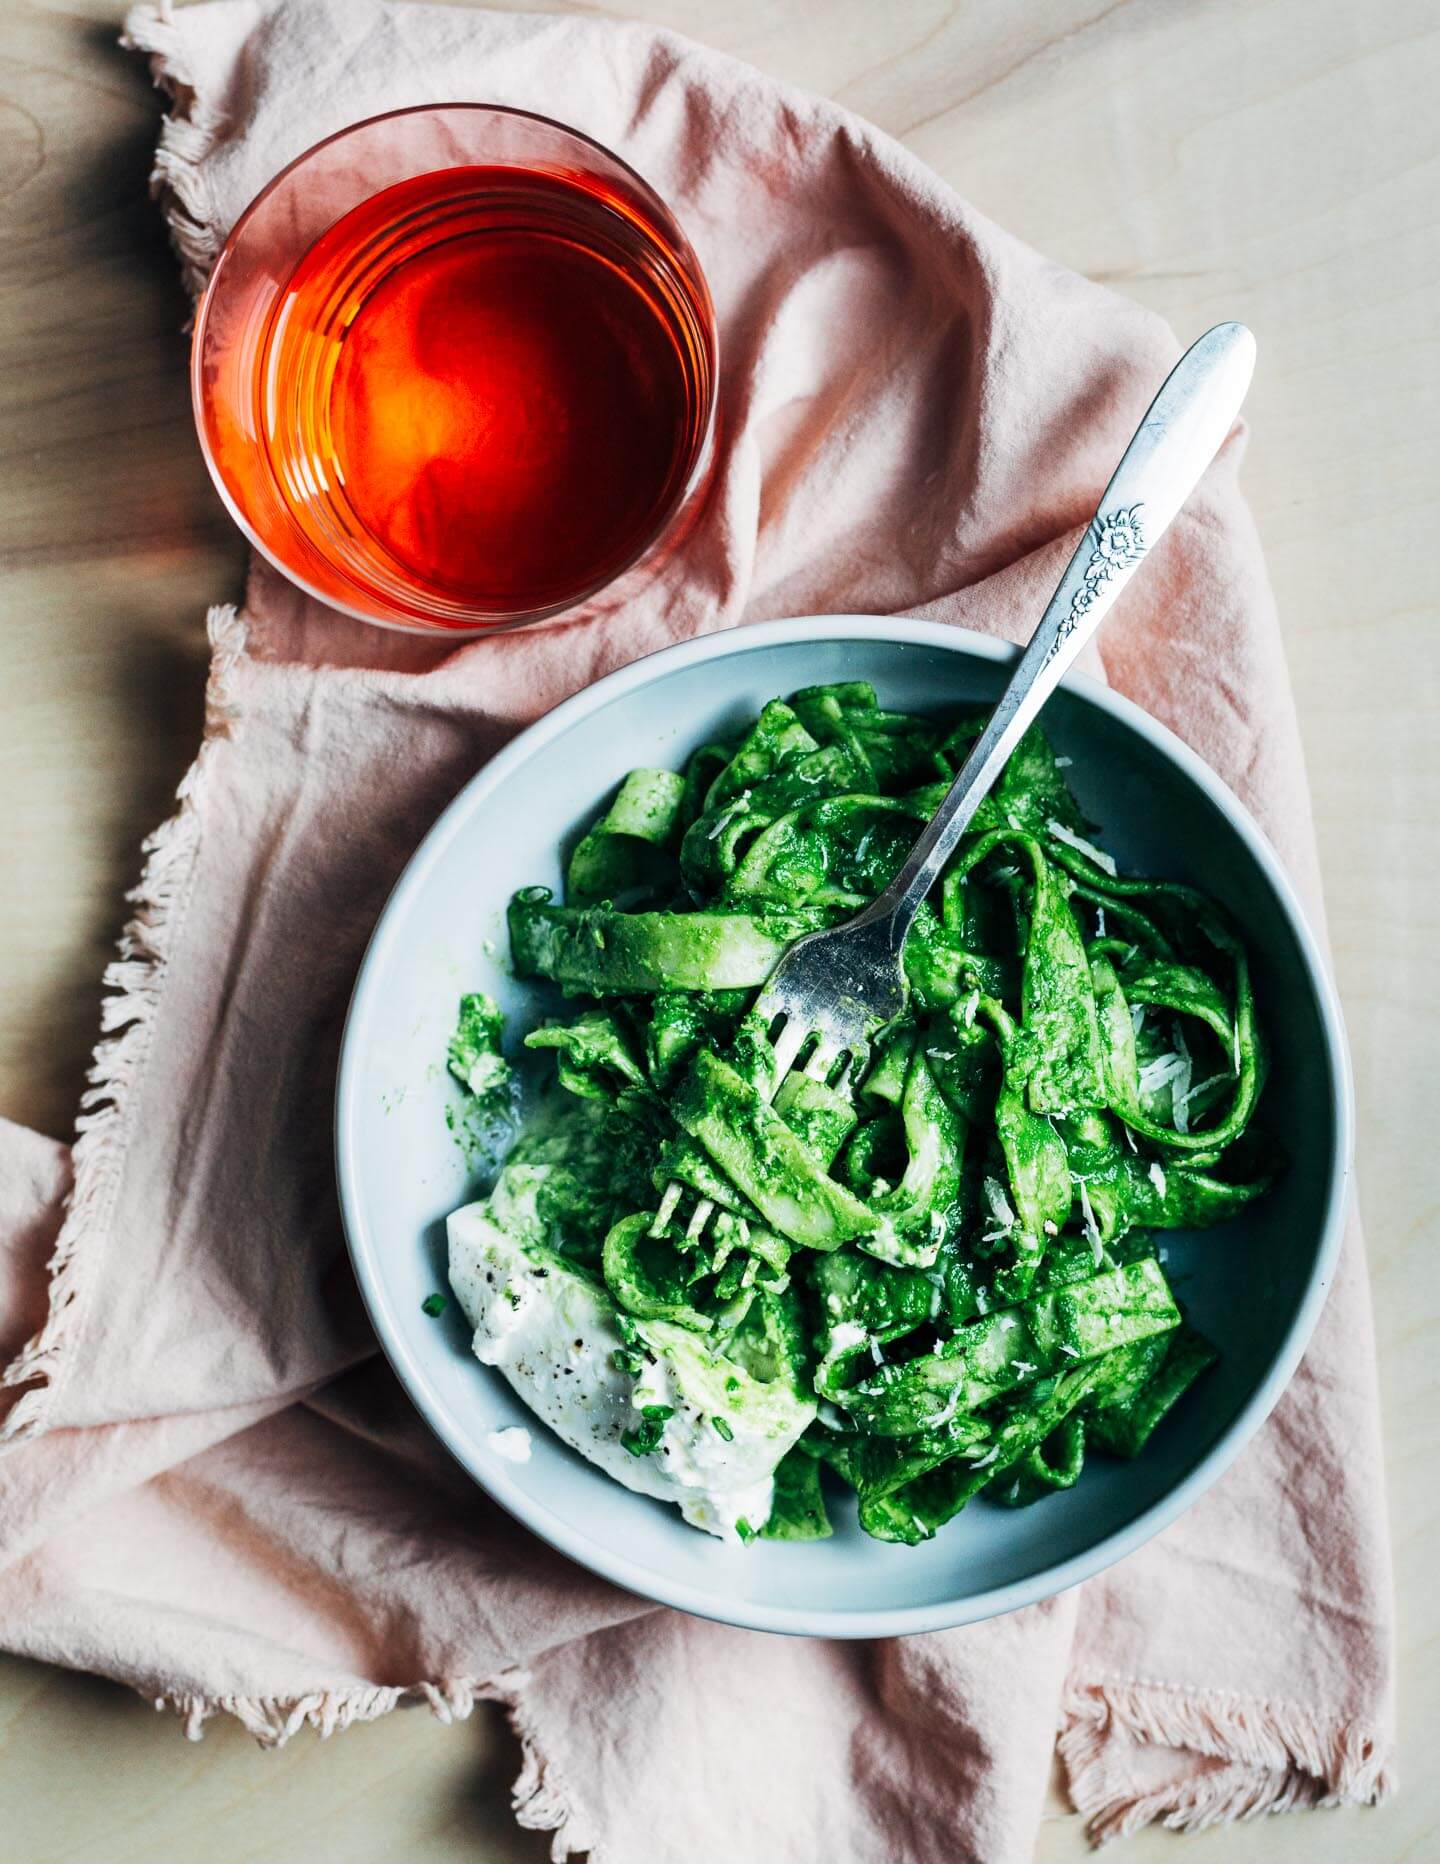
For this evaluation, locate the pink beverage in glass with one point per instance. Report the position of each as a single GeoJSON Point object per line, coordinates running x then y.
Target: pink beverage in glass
{"type": "Point", "coordinates": [468, 397]}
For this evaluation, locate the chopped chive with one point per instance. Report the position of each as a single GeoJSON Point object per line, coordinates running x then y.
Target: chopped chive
{"type": "Point", "coordinates": [645, 1436]}
{"type": "Point", "coordinates": [434, 1305]}
{"type": "Point", "coordinates": [722, 1429]}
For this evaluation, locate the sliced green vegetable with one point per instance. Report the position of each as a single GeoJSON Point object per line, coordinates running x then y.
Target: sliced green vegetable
{"type": "Point", "coordinates": [1054, 1464]}
{"type": "Point", "coordinates": [473, 1054]}
{"type": "Point", "coordinates": [1126, 1421]}
{"type": "Point", "coordinates": [593, 1053]}
{"type": "Point", "coordinates": [1018, 1346]}
{"type": "Point", "coordinates": [767, 1160]}
{"type": "Point", "coordinates": [798, 1512]}
{"type": "Point", "coordinates": [600, 950]}
{"type": "Point", "coordinates": [632, 850]}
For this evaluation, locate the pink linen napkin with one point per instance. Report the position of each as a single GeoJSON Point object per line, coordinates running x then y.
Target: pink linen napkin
{"type": "Point", "coordinates": [212, 1487]}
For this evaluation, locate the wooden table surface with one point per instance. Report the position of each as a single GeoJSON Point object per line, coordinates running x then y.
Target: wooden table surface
{"type": "Point", "coordinates": [1272, 160]}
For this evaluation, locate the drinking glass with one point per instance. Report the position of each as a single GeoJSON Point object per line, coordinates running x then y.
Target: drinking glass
{"type": "Point", "coordinates": [455, 369]}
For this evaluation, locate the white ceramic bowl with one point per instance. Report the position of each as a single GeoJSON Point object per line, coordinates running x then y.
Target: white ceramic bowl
{"type": "Point", "coordinates": [1254, 1287]}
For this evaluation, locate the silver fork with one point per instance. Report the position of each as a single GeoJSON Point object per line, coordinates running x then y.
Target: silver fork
{"type": "Point", "coordinates": [833, 988]}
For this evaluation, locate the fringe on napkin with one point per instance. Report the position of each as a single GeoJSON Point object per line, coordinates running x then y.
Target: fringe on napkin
{"type": "Point", "coordinates": [539, 1798]}
{"type": "Point", "coordinates": [1267, 1757]}
{"type": "Point", "coordinates": [136, 978]}
{"type": "Point", "coordinates": [136, 981]}
{"type": "Point", "coordinates": [190, 128]}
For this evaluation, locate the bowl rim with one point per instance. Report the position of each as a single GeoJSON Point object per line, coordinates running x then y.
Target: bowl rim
{"type": "Point", "coordinates": [1045, 1582]}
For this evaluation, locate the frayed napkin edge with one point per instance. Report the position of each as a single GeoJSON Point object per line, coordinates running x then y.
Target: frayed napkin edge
{"type": "Point", "coordinates": [135, 980]}
{"type": "Point", "coordinates": [1271, 1757]}
{"type": "Point", "coordinates": [136, 977]}
{"type": "Point", "coordinates": [187, 134]}
{"type": "Point", "coordinates": [540, 1799]}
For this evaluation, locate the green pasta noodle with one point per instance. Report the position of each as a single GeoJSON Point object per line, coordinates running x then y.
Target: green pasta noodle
{"type": "Point", "coordinates": [942, 1255]}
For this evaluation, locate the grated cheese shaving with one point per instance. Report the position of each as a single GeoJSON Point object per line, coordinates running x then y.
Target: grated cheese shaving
{"type": "Point", "coordinates": [1092, 1228]}
{"type": "Point", "coordinates": [1192, 1093]}
{"type": "Point", "coordinates": [1105, 862]}
{"type": "Point", "coordinates": [1180, 1089]}
{"type": "Point", "coordinates": [1162, 1071]}
{"type": "Point", "coordinates": [1000, 1206]}
{"type": "Point", "coordinates": [726, 817]}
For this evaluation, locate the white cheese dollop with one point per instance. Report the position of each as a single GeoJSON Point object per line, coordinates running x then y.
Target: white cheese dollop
{"type": "Point", "coordinates": [553, 1334]}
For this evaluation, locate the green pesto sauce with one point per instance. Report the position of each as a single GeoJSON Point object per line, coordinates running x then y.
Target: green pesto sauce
{"type": "Point", "coordinates": [957, 1247]}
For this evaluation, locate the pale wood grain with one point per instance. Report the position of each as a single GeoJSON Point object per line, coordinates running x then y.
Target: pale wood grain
{"type": "Point", "coordinates": [1274, 160]}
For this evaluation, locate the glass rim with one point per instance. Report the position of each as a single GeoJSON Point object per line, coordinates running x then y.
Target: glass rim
{"type": "Point", "coordinates": [471, 629]}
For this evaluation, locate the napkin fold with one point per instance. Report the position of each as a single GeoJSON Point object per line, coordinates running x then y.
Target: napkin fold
{"type": "Point", "coordinates": [212, 1489]}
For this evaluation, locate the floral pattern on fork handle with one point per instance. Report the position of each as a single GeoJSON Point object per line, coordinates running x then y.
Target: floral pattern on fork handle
{"type": "Point", "coordinates": [1119, 542]}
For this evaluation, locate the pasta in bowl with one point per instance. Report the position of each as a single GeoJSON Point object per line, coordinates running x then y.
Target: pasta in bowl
{"type": "Point", "coordinates": [823, 1315]}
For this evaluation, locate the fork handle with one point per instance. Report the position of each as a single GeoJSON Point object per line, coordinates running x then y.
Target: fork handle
{"type": "Point", "coordinates": [1179, 436]}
